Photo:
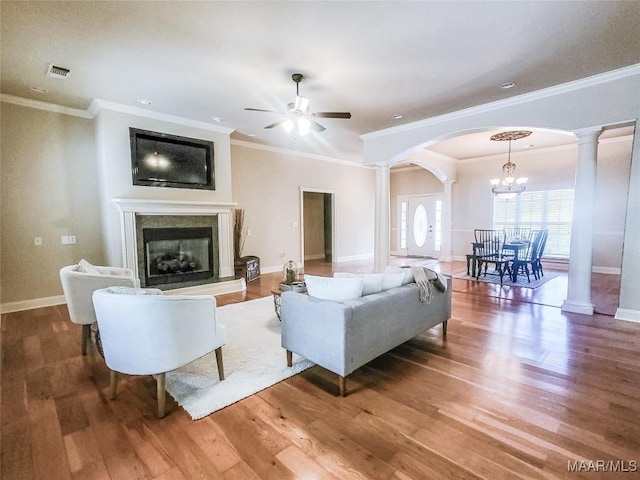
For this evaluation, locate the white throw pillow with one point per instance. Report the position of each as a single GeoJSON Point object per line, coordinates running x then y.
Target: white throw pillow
{"type": "Point", "coordinates": [86, 267]}
{"type": "Point", "coordinates": [335, 289]}
{"type": "Point", "coordinates": [372, 281]}
{"type": "Point", "coordinates": [406, 272]}
{"type": "Point", "coordinates": [392, 280]}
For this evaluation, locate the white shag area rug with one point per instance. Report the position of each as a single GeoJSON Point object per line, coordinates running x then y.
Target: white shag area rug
{"type": "Point", "coordinates": [253, 360]}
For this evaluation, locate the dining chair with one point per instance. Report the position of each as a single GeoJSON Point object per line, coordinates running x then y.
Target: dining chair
{"type": "Point", "coordinates": [144, 332]}
{"type": "Point", "coordinates": [488, 249]}
{"type": "Point", "coordinates": [536, 265]}
{"type": "Point", "coordinates": [530, 256]}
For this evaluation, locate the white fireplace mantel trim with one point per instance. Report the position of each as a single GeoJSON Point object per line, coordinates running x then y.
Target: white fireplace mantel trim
{"type": "Point", "coordinates": [130, 207]}
{"type": "Point", "coordinates": [171, 207]}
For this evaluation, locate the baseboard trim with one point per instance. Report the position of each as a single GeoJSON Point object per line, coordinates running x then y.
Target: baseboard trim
{"type": "Point", "coordinates": [581, 308]}
{"type": "Point", "coordinates": [628, 315]}
{"type": "Point", "coordinates": [22, 305]}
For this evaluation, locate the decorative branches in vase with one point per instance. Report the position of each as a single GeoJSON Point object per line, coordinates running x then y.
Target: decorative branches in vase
{"type": "Point", "coordinates": [239, 232]}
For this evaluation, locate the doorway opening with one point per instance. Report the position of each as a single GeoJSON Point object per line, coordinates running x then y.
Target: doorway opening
{"type": "Point", "coordinates": [317, 210]}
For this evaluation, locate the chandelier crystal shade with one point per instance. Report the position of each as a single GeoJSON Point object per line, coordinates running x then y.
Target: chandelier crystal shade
{"type": "Point", "coordinates": [509, 186]}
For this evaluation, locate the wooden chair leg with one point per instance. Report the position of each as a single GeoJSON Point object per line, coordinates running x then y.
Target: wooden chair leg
{"type": "Point", "coordinates": [444, 329]}
{"type": "Point", "coordinates": [161, 388]}
{"type": "Point", "coordinates": [219, 362]}
{"type": "Point", "coordinates": [114, 384]}
{"type": "Point", "coordinates": [86, 335]}
{"type": "Point", "coordinates": [342, 382]}
{"type": "Point", "coordinates": [289, 358]}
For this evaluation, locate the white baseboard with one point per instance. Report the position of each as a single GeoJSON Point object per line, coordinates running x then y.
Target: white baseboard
{"type": "Point", "coordinates": [355, 258]}
{"type": "Point", "coordinates": [21, 305]}
{"type": "Point", "coordinates": [628, 315]}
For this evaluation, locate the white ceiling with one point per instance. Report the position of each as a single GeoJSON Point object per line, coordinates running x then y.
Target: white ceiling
{"type": "Point", "coordinates": [200, 60]}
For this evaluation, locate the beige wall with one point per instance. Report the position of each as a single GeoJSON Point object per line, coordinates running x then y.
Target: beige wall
{"type": "Point", "coordinates": [49, 189]}
{"type": "Point", "coordinates": [267, 185]}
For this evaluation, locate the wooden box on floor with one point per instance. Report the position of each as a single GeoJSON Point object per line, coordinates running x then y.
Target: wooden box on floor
{"type": "Point", "coordinates": [248, 267]}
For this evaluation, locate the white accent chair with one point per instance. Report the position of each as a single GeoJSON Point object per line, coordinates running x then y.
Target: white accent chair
{"type": "Point", "coordinates": [78, 284]}
{"type": "Point", "coordinates": [144, 332]}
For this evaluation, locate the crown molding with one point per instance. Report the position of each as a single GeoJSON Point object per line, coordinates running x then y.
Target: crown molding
{"type": "Point", "coordinates": [285, 151]}
{"type": "Point", "coordinates": [97, 105]}
{"type": "Point", "coordinates": [555, 148]}
{"type": "Point", "coordinates": [49, 107]}
{"type": "Point", "coordinates": [582, 83]}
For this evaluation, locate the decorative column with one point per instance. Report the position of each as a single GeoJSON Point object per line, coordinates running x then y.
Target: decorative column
{"type": "Point", "coordinates": [382, 221]}
{"type": "Point", "coordinates": [581, 261]}
{"type": "Point", "coordinates": [445, 247]}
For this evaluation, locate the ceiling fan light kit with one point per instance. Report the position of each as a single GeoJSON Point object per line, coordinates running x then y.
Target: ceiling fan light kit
{"type": "Point", "coordinates": [299, 118]}
{"type": "Point", "coordinates": [509, 186]}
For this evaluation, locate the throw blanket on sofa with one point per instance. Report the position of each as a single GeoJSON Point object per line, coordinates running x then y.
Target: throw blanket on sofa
{"type": "Point", "coordinates": [426, 279]}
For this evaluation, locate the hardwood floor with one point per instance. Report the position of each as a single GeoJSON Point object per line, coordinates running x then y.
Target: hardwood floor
{"type": "Point", "coordinates": [518, 390]}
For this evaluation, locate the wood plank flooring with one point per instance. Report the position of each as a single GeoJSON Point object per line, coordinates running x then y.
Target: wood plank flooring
{"type": "Point", "coordinates": [519, 389]}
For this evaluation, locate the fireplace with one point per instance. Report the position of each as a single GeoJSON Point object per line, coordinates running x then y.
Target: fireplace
{"type": "Point", "coordinates": [137, 215]}
{"type": "Point", "coordinates": [178, 255]}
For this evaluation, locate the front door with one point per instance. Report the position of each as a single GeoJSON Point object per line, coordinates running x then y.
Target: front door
{"type": "Point", "coordinates": [421, 218]}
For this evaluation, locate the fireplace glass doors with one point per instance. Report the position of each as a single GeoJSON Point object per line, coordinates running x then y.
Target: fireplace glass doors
{"type": "Point", "coordinates": [178, 255]}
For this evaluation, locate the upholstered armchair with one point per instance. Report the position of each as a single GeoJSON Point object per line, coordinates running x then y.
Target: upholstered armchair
{"type": "Point", "coordinates": [78, 284]}
{"type": "Point", "coordinates": [146, 333]}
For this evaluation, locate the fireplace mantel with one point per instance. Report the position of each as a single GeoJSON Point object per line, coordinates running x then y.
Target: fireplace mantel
{"type": "Point", "coordinates": [130, 207]}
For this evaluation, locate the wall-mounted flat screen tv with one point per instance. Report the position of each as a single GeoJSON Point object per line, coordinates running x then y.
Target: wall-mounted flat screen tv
{"type": "Point", "coordinates": [163, 160]}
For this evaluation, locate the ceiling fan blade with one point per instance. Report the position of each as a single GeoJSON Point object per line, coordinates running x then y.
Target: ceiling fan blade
{"type": "Point", "coordinates": [316, 126]}
{"type": "Point", "coordinates": [332, 115]}
{"type": "Point", "coordinates": [262, 110]}
{"type": "Point", "coordinates": [276, 124]}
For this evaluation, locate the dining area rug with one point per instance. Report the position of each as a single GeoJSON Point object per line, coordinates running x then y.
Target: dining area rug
{"type": "Point", "coordinates": [507, 281]}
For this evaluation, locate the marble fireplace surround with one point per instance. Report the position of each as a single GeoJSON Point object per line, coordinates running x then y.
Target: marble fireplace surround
{"type": "Point", "coordinates": [130, 208]}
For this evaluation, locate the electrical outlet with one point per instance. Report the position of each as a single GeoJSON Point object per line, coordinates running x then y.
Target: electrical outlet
{"type": "Point", "coordinates": [248, 233]}
{"type": "Point", "coordinates": [64, 239]}
{"type": "Point", "coordinates": [37, 241]}
{"type": "Point", "coordinates": [72, 239]}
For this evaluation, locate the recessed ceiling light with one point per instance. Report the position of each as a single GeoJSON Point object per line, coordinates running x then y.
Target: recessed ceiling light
{"type": "Point", "coordinates": [217, 119]}
{"type": "Point", "coordinates": [39, 89]}
{"type": "Point", "coordinates": [508, 85]}
{"type": "Point", "coordinates": [251, 134]}
{"type": "Point", "coordinates": [142, 101]}
{"type": "Point", "coordinates": [398, 116]}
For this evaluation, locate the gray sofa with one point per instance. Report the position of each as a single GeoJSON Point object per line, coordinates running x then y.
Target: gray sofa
{"type": "Point", "coordinates": [342, 337]}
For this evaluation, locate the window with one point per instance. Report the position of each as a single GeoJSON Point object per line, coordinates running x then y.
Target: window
{"type": "Point", "coordinates": [552, 209]}
{"type": "Point", "coordinates": [403, 225]}
{"type": "Point", "coordinates": [438, 239]}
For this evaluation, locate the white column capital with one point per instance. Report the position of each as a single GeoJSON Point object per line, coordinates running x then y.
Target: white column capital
{"type": "Point", "coordinates": [588, 133]}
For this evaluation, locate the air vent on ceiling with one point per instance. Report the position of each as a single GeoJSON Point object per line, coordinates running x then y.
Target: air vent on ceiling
{"type": "Point", "coordinates": [58, 72]}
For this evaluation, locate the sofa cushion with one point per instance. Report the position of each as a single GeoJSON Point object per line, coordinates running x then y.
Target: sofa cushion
{"type": "Point", "coordinates": [372, 281]}
{"type": "Point", "coordinates": [392, 280]}
{"type": "Point", "coordinates": [335, 289]}
{"type": "Point", "coordinates": [406, 272]}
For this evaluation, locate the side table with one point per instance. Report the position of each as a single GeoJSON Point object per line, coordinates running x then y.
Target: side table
{"type": "Point", "coordinates": [299, 287]}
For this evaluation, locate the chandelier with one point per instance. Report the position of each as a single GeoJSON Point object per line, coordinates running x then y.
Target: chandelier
{"type": "Point", "coordinates": [509, 186]}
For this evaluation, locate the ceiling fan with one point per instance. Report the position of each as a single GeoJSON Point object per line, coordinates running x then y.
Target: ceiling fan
{"type": "Point", "coordinates": [298, 114]}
